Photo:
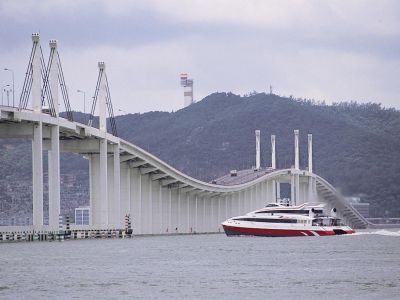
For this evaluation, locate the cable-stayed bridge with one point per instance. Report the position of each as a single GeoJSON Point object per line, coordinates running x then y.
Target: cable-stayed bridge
{"type": "Point", "coordinates": [127, 180]}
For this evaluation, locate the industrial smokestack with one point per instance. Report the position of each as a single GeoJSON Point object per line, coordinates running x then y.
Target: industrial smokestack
{"type": "Point", "coordinates": [273, 155]}
{"type": "Point", "coordinates": [310, 169]}
{"type": "Point", "coordinates": [296, 149]}
{"type": "Point", "coordinates": [258, 157]}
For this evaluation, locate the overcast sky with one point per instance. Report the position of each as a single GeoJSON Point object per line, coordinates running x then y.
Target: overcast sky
{"type": "Point", "coordinates": [324, 50]}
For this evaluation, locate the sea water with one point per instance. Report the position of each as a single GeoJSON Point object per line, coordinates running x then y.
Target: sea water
{"type": "Point", "coordinates": [361, 266]}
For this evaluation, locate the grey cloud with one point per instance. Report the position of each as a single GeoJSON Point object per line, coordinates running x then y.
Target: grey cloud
{"type": "Point", "coordinates": [321, 53]}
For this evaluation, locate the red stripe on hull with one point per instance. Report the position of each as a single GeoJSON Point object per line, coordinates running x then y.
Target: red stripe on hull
{"type": "Point", "coordinates": [230, 230]}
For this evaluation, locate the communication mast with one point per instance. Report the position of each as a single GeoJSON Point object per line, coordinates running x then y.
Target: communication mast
{"type": "Point", "coordinates": [187, 85]}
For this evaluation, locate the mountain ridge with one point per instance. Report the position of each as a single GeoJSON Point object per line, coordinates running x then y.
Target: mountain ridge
{"type": "Point", "coordinates": [356, 146]}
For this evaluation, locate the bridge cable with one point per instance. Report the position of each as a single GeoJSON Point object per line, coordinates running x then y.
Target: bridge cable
{"type": "Point", "coordinates": [28, 90]}
{"type": "Point", "coordinates": [64, 90]}
{"type": "Point", "coordinates": [96, 93]}
{"type": "Point", "coordinates": [28, 78]}
{"type": "Point", "coordinates": [46, 86]}
{"type": "Point", "coordinates": [110, 109]}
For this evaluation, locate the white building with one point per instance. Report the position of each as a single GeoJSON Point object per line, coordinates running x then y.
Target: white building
{"type": "Point", "coordinates": [82, 215]}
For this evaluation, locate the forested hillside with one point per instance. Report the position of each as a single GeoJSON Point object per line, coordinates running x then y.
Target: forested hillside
{"type": "Point", "coordinates": [356, 146]}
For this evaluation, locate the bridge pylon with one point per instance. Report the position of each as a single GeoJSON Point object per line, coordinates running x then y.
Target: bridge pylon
{"type": "Point", "coordinates": [37, 141]}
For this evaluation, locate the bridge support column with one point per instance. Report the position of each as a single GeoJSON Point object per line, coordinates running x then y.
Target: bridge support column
{"type": "Point", "coordinates": [303, 195]}
{"type": "Point", "coordinates": [257, 196]}
{"type": "Point", "coordinates": [187, 211]}
{"type": "Point", "coordinates": [182, 209]}
{"type": "Point", "coordinates": [150, 203]}
{"type": "Point", "coordinates": [125, 192]}
{"type": "Point", "coordinates": [54, 153]}
{"type": "Point", "coordinates": [219, 213]}
{"type": "Point", "coordinates": [311, 189]}
{"type": "Point", "coordinates": [241, 205]}
{"type": "Point", "coordinates": [230, 206]}
{"type": "Point", "coordinates": [117, 186]}
{"type": "Point", "coordinates": [103, 184]}
{"type": "Point", "coordinates": [215, 220]}
{"type": "Point", "coordinates": [254, 196]}
{"type": "Point", "coordinates": [37, 143]}
{"type": "Point", "coordinates": [94, 170]}
{"type": "Point", "coordinates": [37, 174]}
{"type": "Point", "coordinates": [169, 210]}
{"type": "Point", "coordinates": [155, 206]}
{"type": "Point", "coordinates": [292, 190]}
{"type": "Point", "coordinates": [179, 216]}
{"type": "Point", "coordinates": [146, 205]}
{"type": "Point", "coordinates": [315, 192]}
{"type": "Point", "coordinates": [236, 204]}
{"type": "Point", "coordinates": [205, 214]}
{"type": "Point", "coordinates": [110, 192]}
{"type": "Point", "coordinates": [278, 191]}
{"type": "Point", "coordinates": [136, 200]}
{"type": "Point", "coordinates": [271, 191]}
{"type": "Point", "coordinates": [192, 212]}
{"type": "Point", "coordinates": [174, 210]}
{"type": "Point", "coordinates": [226, 207]}
{"type": "Point", "coordinates": [113, 189]}
{"type": "Point", "coordinates": [209, 215]}
{"type": "Point", "coordinates": [196, 215]}
{"type": "Point", "coordinates": [297, 186]}
{"type": "Point", "coordinates": [260, 198]}
{"type": "Point", "coordinates": [253, 191]}
{"type": "Point", "coordinates": [165, 209]}
{"type": "Point", "coordinates": [200, 214]}
{"type": "Point", "coordinates": [54, 178]}
{"type": "Point", "coordinates": [98, 187]}
{"type": "Point", "coordinates": [247, 199]}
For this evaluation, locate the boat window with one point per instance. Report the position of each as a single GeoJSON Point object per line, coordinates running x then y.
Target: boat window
{"type": "Point", "coordinates": [264, 220]}
{"type": "Point", "coordinates": [286, 211]}
{"type": "Point", "coordinates": [317, 222]}
{"type": "Point", "coordinates": [335, 222]}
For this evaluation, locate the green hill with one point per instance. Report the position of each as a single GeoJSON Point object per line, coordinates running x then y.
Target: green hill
{"type": "Point", "coordinates": [356, 146]}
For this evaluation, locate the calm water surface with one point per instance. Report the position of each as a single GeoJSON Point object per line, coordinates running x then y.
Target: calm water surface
{"type": "Point", "coordinates": [363, 266]}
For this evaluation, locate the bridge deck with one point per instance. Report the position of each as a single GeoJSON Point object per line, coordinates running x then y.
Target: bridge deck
{"type": "Point", "coordinates": [242, 176]}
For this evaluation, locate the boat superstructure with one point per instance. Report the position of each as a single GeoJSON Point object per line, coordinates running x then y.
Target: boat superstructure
{"type": "Point", "coordinates": [308, 219]}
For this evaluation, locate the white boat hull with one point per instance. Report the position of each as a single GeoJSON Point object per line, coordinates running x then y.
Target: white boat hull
{"type": "Point", "coordinates": [232, 228]}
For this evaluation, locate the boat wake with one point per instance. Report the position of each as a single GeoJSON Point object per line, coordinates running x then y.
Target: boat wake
{"type": "Point", "coordinates": [379, 232]}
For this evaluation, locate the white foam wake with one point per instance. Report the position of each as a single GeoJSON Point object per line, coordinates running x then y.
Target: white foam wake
{"type": "Point", "coordinates": [379, 232]}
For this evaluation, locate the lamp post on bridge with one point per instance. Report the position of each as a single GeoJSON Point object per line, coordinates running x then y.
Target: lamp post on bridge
{"type": "Point", "coordinates": [84, 103]}
{"type": "Point", "coordinates": [2, 91]}
{"type": "Point", "coordinates": [12, 72]}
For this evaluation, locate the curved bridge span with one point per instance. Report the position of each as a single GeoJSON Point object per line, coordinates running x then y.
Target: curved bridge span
{"type": "Point", "coordinates": [125, 179]}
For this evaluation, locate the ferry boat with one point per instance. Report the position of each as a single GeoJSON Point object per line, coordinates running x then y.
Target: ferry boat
{"type": "Point", "coordinates": [279, 220]}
